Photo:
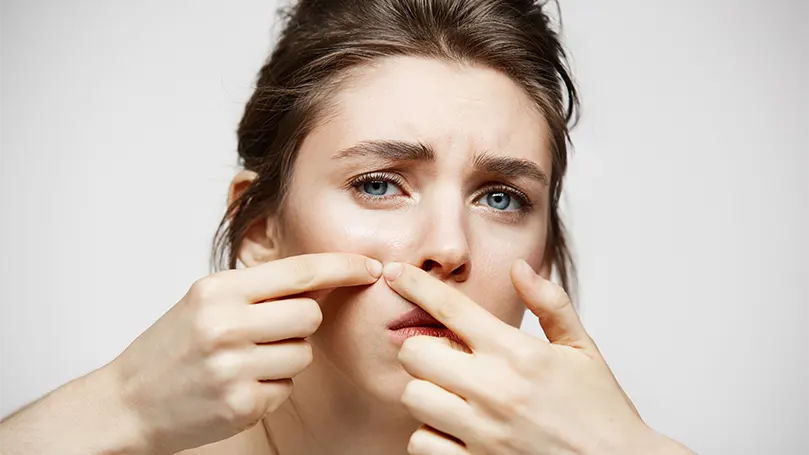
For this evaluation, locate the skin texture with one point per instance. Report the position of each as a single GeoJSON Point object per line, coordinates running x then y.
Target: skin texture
{"type": "Point", "coordinates": [437, 218]}
{"type": "Point", "coordinates": [460, 112]}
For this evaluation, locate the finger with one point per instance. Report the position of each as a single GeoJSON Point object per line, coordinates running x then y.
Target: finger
{"type": "Point", "coordinates": [434, 360]}
{"type": "Point", "coordinates": [428, 441]}
{"type": "Point", "coordinates": [278, 320]}
{"type": "Point", "coordinates": [551, 304]}
{"type": "Point", "coordinates": [281, 360]}
{"type": "Point", "coordinates": [439, 408]}
{"type": "Point", "coordinates": [275, 393]}
{"type": "Point", "coordinates": [309, 272]}
{"type": "Point", "coordinates": [477, 327]}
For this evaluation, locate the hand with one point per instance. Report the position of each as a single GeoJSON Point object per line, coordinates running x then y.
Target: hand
{"type": "Point", "coordinates": [224, 356]}
{"type": "Point", "coordinates": [511, 393]}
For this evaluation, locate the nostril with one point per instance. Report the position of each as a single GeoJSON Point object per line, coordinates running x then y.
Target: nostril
{"type": "Point", "coordinates": [428, 265]}
{"type": "Point", "coordinates": [459, 273]}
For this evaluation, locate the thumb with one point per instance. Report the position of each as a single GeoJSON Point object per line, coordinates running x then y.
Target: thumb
{"type": "Point", "coordinates": [551, 304]}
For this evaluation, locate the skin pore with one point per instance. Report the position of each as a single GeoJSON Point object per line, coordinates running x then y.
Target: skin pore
{"type": "Point", "coordinates": [440, 165]}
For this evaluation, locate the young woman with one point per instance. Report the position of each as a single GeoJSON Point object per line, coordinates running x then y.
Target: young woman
{"type": "Point", "coordinates": [396, 215]}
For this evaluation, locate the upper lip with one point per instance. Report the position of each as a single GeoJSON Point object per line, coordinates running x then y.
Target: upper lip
{"type": "Point", "coordinates": [414, 318]}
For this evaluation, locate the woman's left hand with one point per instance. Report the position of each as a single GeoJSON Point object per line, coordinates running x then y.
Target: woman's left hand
{"type": "Point", "coordinates": [513, 393]}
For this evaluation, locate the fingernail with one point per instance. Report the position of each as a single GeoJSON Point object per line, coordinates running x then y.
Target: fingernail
{"type": "Point", "coordinates": [374, 267]}
{"type": "Point", "coordinates": [392, 271]}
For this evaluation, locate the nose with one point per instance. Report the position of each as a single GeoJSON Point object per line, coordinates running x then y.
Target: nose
{"type": "Point", "coordinates": [444, 248]}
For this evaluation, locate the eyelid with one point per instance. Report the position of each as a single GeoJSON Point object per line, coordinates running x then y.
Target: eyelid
{"type": "Point", "coordinates": [385, 176]}
{"type": "Point", "coordinates": [525, 202]}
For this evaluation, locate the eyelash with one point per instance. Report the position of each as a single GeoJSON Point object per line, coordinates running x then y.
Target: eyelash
{"type": "Point", "coordinates": [357, 183]}
{"type": "Point", "coordinates": [525, 202]}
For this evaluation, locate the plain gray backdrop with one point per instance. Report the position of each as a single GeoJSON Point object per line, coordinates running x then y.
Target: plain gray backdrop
{"type": "Point", "coordinates": [687, 195]}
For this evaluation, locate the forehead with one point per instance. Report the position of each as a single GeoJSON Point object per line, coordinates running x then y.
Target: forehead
{"type": "Point", "coordinates": [452, 107]}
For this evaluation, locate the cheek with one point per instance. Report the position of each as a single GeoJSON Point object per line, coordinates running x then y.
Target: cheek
{"type": "Point", "coordinates": [502, 249]}
{"type": "Point", "coordinates": [490, 283]}
{"type": "Point", "coordinates": [335, 223]}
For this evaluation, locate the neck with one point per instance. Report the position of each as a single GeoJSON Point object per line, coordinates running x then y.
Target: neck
{"type": "Point", "coordinates": [329, 415]}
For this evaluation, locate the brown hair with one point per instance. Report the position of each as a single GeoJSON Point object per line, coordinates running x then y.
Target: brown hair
{"type": "Point", "coordinates": [322, 40]}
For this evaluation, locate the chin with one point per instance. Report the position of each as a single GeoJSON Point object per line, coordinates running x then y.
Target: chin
{"type": "Point", "coordinates": [376, 372]}
{"type": "Point", "coordinates": [385, 390]}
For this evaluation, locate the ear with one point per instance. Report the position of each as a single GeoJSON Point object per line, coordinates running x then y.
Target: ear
{"type": "Point", "coordinates": [259, 243]}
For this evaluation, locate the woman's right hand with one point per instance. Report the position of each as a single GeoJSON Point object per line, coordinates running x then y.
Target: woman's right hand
{"type": "Point", "coordinates": [224, 355]}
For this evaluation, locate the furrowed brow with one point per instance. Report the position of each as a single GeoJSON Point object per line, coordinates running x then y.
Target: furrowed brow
{"type": "Point", "coordinates": [510, 167]}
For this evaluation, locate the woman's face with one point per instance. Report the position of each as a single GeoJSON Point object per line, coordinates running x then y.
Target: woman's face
{"type": "Point", "coordinates": [443, 166]}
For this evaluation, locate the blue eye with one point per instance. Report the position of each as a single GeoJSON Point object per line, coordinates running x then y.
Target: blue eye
{"type": "Point", "coordinates": [500, 200]}
{"type": "Point", "coordinates": [375, 188]}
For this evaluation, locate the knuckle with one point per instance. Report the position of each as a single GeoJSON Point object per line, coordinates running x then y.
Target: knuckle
{"type": "Point", "coordinates": [448, 310]}
{"type": "Point", "coordinates": [499, 436]}
{"type": "Point", "coordinates": [350, 264]}
{"type": "Point", "coordinates": [525, 356]}
{"type": "Point", "coordinates": [303, 276]}
{"type": "Point", "coordinates": [207, 288]}
{"type": "Point", "coordinates": [215, 330]}
{"type": "Point", "coordinates": [242, 405]}
{"type": "Point", "coordinates": [224, 368]}
{"type": "Point", "coordinates": [514, 400]}
{"type": "Point", "coordinates": [558, 297]}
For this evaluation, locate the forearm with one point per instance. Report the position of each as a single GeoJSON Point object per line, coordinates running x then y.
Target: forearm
{"type": "Point", "coordinates": [85, 416]}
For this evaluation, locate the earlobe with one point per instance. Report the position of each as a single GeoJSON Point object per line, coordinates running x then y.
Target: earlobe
{"type": "Point", "coordinates": [258, 243]}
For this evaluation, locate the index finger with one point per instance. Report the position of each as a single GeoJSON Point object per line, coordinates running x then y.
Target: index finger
{"type": "Point", "coordinates": [304, 273]}
{"type": "Point", "coordinates": [470, 321]}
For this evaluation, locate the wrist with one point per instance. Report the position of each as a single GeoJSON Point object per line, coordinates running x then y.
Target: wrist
{"type": "Point", "coordinates": [127, 432]}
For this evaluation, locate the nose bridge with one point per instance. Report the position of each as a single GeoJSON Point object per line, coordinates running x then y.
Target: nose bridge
{"type": "Point", "coordinates": [443, 248]}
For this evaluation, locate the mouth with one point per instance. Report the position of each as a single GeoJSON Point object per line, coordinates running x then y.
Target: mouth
{"type": "Point", "coordinates": [416, 317]}
{"type": "Point", "coordinates": [418, 322]}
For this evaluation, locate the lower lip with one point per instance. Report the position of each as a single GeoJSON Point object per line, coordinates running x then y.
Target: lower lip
{"type": "Point", "coordinates": [402, 334]}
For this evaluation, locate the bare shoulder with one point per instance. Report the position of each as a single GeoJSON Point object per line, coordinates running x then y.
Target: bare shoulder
{"type": "Point", "coordinates": [248, 442]}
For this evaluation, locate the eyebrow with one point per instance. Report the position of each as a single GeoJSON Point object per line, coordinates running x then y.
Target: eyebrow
{"type": "Point", "coordinates": [417, 151]}
{"type": "Point", "coordinates": [510, 167]}
{"type": "Point", "coordinates": [389, 150]}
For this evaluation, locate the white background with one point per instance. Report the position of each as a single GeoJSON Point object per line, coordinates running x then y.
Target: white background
{"type": "Point", "coordinates": [687, 199]}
